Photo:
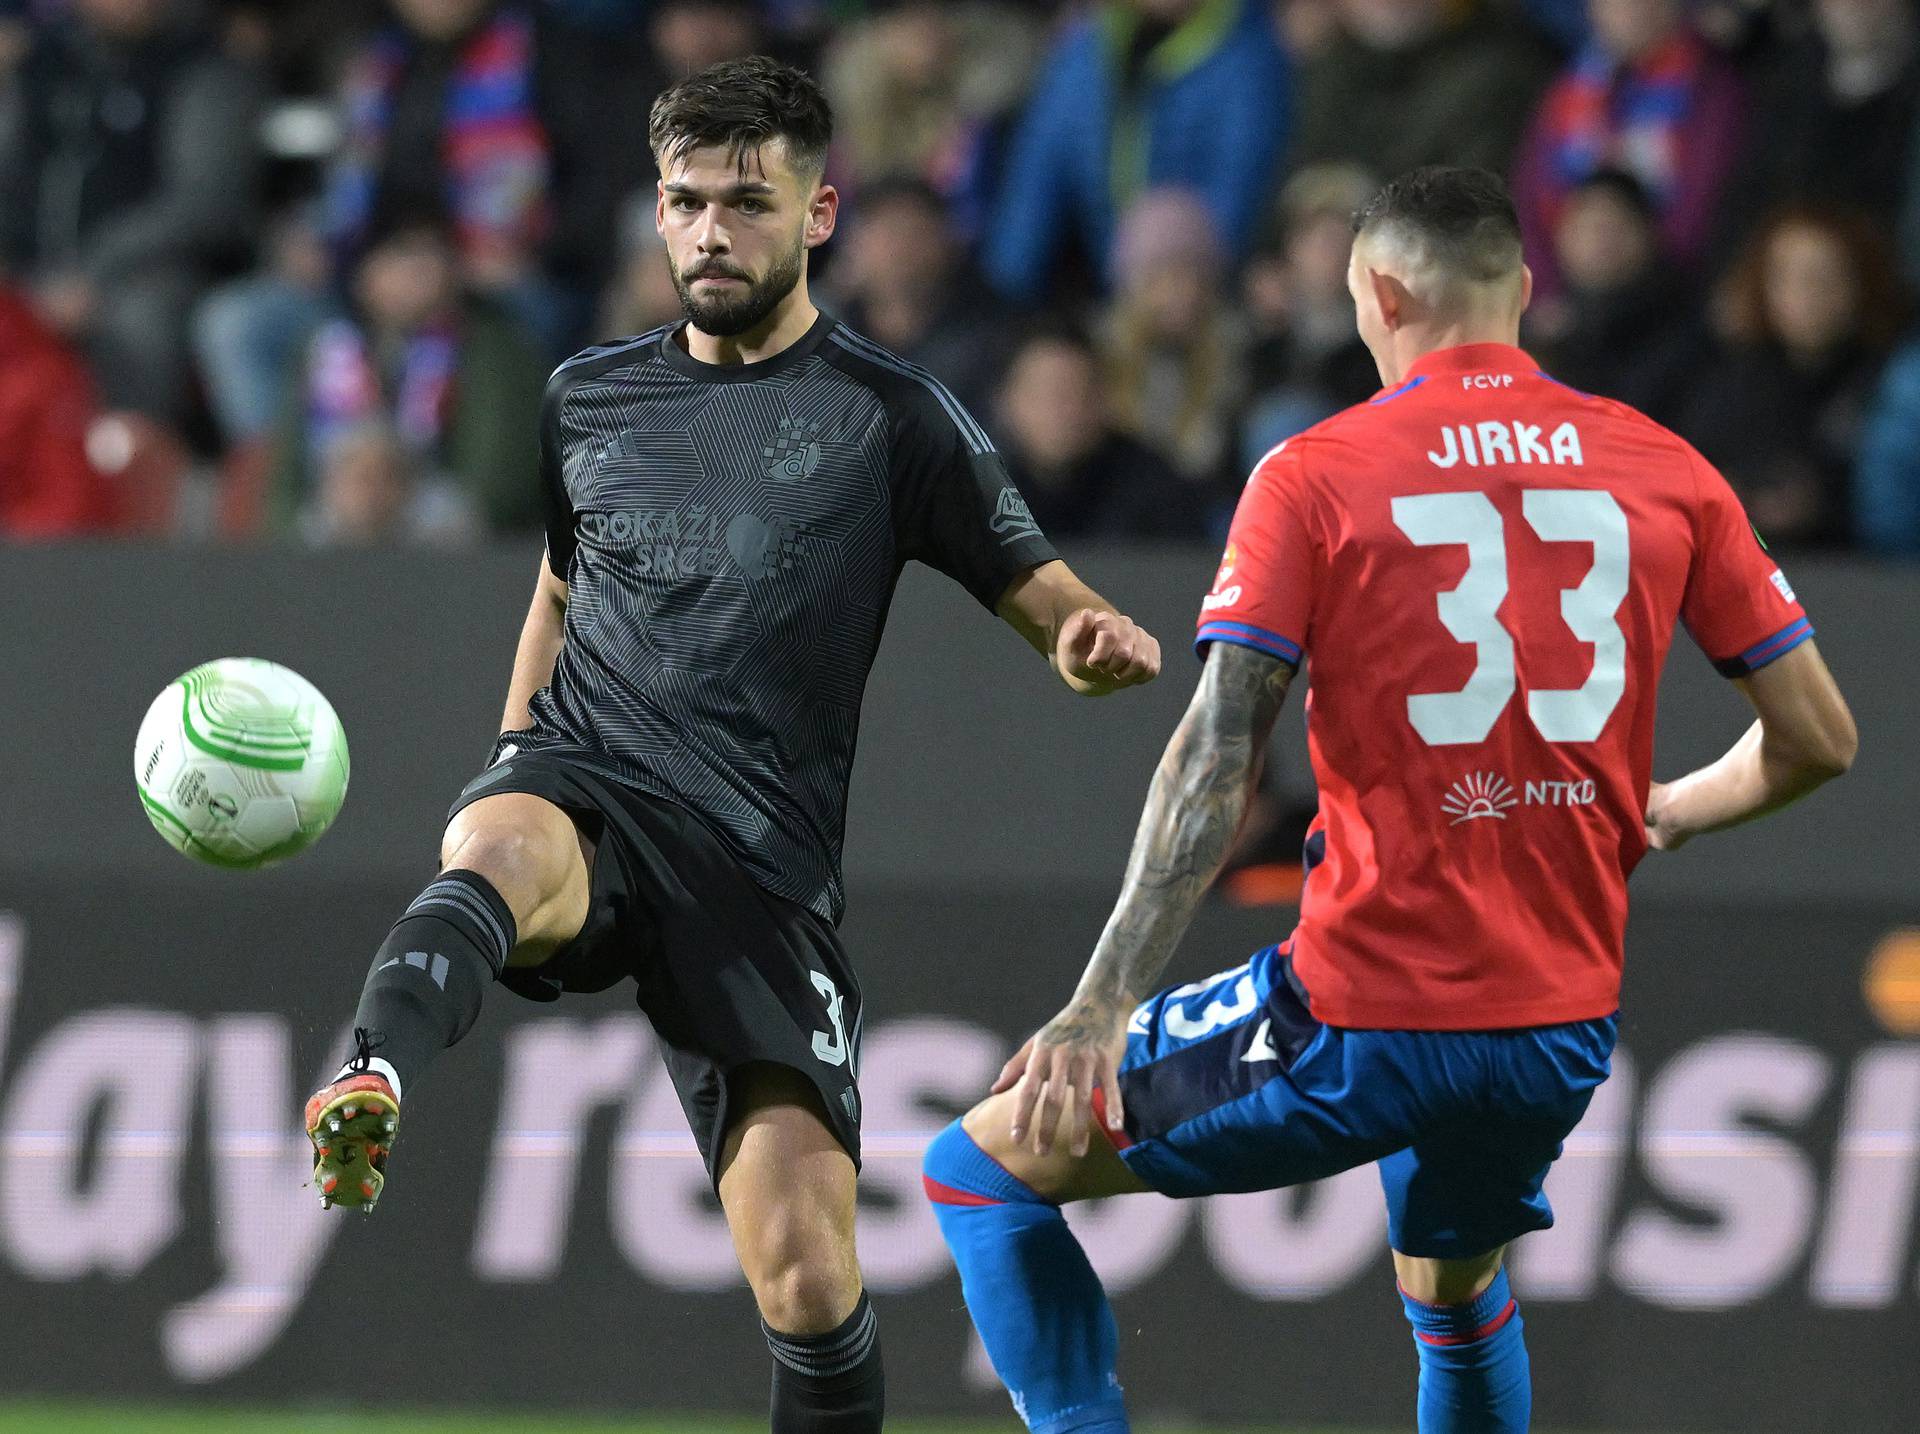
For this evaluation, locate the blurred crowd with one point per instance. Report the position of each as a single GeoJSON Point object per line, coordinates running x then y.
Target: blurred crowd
{"type": "Point", "coordinates": [300, 267]}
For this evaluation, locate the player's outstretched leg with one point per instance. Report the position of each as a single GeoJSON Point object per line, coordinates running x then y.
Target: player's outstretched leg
{"type": "Point", "coordinates": [788, 1189]}
{"type": "Point", "coordinates": [513, 886]}
{"type": "Point", "coordinates": [1035, 1299]}
{"type": "Point", "coordinates": [1474, 1376]}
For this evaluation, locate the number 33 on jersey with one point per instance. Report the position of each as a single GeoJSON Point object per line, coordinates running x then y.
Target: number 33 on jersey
{"type": "Point", "coordinates": [1486, 568]}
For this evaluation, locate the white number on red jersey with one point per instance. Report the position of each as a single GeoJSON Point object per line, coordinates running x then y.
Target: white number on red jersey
{"type": "Point", "coordinates": [1470, 611]}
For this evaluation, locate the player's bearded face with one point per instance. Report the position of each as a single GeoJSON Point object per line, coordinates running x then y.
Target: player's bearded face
{"type": "Point", "coordinates": [734, 309]}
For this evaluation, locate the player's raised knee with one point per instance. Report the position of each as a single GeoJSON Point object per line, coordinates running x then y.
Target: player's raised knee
{"type": "Point", "coordinates": [525, 846]}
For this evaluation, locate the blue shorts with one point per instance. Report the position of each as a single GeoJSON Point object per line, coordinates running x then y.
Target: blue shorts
{"type": "Point", "coordinates": [1231, 1084]}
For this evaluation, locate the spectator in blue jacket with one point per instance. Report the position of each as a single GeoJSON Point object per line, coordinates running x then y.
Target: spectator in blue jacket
{"type": "Point", "coordinates": [1139, 93]}
{"type": "Point", "coordinates": [1886, 477]}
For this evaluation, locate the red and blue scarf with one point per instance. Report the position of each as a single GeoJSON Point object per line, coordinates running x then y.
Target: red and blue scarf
{"type": "Point", "coordinates": [344, 388]}
{"type": "Point", "coordinates": [497, 155]}
{"type": "Point", "coordinates": [1631, 117]}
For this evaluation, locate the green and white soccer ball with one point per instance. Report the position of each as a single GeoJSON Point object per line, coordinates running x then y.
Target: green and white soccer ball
{"type": "Point", "coordinates": [241, 763]}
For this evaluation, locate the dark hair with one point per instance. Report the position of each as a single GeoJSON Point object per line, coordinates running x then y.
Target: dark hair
{"type": "Point", "coordinates": [1623, 186]}
{"type": "Point", "coordinates": [902, 189]}
{"type": "Point", "coordinates": [743, 104]}
{"type": "Point", "coordinates": [1881, 303]}
{"type": "Point", "coordinates": [1058, 328]}
{"type": "Point", "coordinates": [408, 218]}
{"type": "Point", "coordinates": [1464, 217]}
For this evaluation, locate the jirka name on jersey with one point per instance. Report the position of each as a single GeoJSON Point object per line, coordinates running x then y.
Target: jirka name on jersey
{"type": "Point", "coordinates": [1494, 440]}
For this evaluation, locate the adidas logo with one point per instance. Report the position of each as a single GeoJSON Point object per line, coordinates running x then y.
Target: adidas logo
{"type": "Point", "coordinates": [437, 969]}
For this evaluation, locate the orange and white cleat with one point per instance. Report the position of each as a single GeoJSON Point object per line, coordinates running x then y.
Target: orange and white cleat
{"type": "Point", "coordinates": [352, 1123]}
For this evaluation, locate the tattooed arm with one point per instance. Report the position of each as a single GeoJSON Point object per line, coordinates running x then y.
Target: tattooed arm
{"type": "Point", "coordinates": [1193, 812]}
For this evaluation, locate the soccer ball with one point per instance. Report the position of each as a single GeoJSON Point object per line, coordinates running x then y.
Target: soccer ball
{"type": "Point", "coordinates": [241, 763]}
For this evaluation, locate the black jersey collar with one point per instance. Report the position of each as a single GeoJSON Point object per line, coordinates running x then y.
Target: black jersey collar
{"type": "Point", "coordinates": [681, 361]}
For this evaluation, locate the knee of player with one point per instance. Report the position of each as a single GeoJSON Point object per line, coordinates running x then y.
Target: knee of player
{"type": "Point", "coordinates": [989, 1125]}
{"type": "Point", "coordinates": [806, 1292]}
{"type": "Point", "coordinates": [522, 864]}
{"type": "Point", "coordinates": [1446, 1282]}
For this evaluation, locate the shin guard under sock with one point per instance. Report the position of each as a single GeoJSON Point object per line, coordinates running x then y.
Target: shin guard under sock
{"type": "Point", "coordinates": [1034, 1298]}
{"type": "Point", "coordinates": [428, 977]}
{"type": "Point", "coordinates": [1474, 1377]}
{"type": "Point", "coordinates": [829, 1383]}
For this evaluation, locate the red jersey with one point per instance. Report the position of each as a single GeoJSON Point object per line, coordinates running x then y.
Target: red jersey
{"type": "Point", "coordinates": [1484, 568]}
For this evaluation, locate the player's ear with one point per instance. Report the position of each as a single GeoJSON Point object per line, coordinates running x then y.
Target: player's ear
{"type": "Point", "coordinates": [1526, 287]}
{"type": "Point", "coordinates": [660, 207]}
{"type": "Point", "coordinates": [823, 212]}
{"type": "Point", "coordinates": [1389, 296]}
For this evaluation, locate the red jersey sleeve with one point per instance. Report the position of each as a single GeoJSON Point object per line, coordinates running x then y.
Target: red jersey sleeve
{"type": "Point", "coordinates": [1263, 595]}
{"type": "Point", "coordinates": [1738, 604]}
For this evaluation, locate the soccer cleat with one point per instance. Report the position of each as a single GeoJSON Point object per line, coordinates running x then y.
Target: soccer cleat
{"type": "Point", "coordinates": [352, 1123]}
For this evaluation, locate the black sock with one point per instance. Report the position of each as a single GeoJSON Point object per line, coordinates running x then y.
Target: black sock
{"type": "Point", "coordinates": [829, 1383]}
{"type": "Point", "coordinates": [429, 975]}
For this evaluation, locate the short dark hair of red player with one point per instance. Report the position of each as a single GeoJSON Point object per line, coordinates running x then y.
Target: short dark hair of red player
{"type": "Point", "coordinates": [742, 105]}
{"type": "Point", "coordinates": [1462, 218]}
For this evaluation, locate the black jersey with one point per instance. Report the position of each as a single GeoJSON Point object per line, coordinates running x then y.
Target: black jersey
{"type": "Point", "coordinates": [730, 537]}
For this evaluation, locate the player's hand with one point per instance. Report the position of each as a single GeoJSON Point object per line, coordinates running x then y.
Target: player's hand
{"type": "Point", "coordinates": [1074, 1054]}
{"type": "Point", "coordinates": [1100, 652]}
{"type": "Point", "coordinates": [1662, 833]}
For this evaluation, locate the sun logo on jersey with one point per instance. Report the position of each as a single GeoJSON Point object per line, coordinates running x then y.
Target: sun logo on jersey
{"type": "Point", "coordinates": [1478, 795]}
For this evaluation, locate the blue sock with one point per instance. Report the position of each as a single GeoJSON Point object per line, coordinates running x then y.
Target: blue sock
{"type": "Point", "coordinates": [1034, 1298]}
{"type": "Point", "coordinates": [1474, 1377]}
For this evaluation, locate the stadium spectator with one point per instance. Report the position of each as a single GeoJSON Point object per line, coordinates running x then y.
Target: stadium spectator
{"type": "Point", "coordinates": [481, 108]}
{"type": "Point", "coordinates": [1809, 316]}
{"type": "Point", "coordinates": [1648, 96]}
{"type": "Point", "coordinates": [369, 489]}
{"type": "Point", "coordinates": [1624, 324]}
{"type": "Point", "coordinates": [128, 164]}
{"type": "Point", "coordinates": [1833, 117]}
{"type": "Point", "coordinates": [902, 278]}
{"type": "Point", "coordinates": [248, 334]}
{"type": "Point", "coordinates": [1306, 360]}
{"type": "Point", "coordinates": [472, 107]}
{"type": "Point", "coordinates": [1887, 475]}
{"type": "Point", "coordinates": [924, 89]}
{"type": "Point", "coordinates": [689, 35]}
{"type": "Point", "coordinates": [1082, 477]}
{"type": "Point", "coordinates": [48, 487]}
{"type": "Point", "coordinates": [1173, 347]}
{"type": "Point", "coordinates": [451, 374]}
{"type": "Point", "coordinates": [1405, 83]}
{"type": "Point", "coordinates": [1134, 94]}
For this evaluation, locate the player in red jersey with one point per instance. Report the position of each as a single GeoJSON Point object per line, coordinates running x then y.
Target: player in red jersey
{"type": "Point", "coordinates": [1485, 569]}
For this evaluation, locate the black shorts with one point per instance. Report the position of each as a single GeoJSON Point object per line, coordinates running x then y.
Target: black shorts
{"type": "Point", "coordinates": [728, 973]}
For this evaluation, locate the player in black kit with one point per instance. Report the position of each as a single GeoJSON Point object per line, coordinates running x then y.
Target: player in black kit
{"type": "Point", "coordinates": [731, 502]}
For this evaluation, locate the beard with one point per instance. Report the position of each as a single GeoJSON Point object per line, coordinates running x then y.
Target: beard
{"type": "Point", "coordinates": [726, 315]}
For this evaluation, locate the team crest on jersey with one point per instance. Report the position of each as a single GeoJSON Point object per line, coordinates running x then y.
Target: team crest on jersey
{"type": "Point", "coordinates": [1477, 796]}
{"type": "Point", "coordinates": [1012, 518]}
{"type": "Point", "coordinates": [792, 453]}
